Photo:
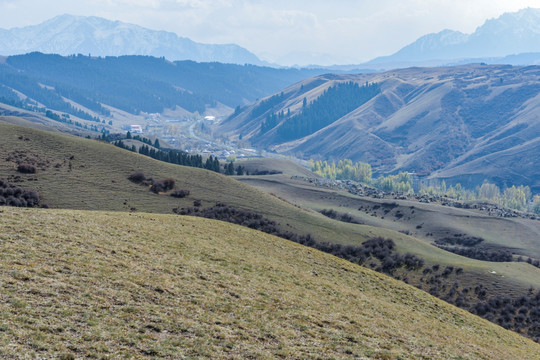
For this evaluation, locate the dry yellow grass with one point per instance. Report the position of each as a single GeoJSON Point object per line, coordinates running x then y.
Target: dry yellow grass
{"type": "Point", "coordinates": [90, 175]}
{"type": "Point", "coordinates": [80, 284]}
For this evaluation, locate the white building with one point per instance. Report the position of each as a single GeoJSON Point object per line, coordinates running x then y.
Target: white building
{"type": "Point", "coordinates": [136, 129]}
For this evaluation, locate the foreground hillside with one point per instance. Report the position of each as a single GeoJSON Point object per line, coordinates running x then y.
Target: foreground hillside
{"type": "Point", "coordinates": [464, 123]}
{"type": "Point", "coordinates": [119, 285]}
{"type": "Point", "coordinates": [75, 173]}
{"type": "Point", "coordinates": [78, 173]}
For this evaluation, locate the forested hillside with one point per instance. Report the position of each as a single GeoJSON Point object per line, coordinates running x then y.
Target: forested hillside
{"type": "Point", "coordinates": [464, 124]}
{"type": "Point", "coordinates": [136, 83]}
{"type": "Point", "coordinates": [335, 102]}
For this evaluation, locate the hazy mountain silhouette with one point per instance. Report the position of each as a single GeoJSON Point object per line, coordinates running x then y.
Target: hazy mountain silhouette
{"type": "Point", "coordinates": [68, 34]}
{"type": "Point", "coordinates": [509, 34]}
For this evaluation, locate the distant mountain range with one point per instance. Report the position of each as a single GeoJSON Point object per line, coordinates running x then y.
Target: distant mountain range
{"type": "Point", "coordinates": [496, 41]}
{"type": "Point", "coordinates": [466, 123]}
{"type": "Point", "coordinates": [512, 38]}
{"type": "Point", "coordinates": [68, 34]}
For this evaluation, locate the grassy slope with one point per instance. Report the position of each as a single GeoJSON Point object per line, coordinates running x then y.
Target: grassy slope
{"type": "Point", "coordinates": [41, 122]}
{"type": "Point", "coordinates": [267, 164]}
{"type": "Point", "coordinates": [98, 180]}
{"type": "Point", "coordinates": [437, 220]}
{"type": "Point", "coordinates": [132, 285]}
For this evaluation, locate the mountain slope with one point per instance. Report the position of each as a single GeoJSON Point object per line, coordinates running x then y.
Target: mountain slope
{"type": "Point", "coordinates": [68, 34]}
{"type": "Point", "coordinates": [463, 123]}
{"type": "Point", "coordinates": [88, 87]}
{"type": "Point", "coordinates": [511, 33]}
{"type": "Point", "coordinates": [159, 286]}
{"type": "Point", "coordinates": [75, 173]}
{"type": "Point", "coordinates": [78, 173]}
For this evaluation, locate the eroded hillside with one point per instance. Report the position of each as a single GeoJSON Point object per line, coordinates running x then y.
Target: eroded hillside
{"type": "Point", "coordinates": [464, 123]}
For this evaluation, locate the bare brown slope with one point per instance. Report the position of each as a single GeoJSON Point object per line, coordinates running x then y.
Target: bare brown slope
{"type": "Point", "coordinates": [424, 120]}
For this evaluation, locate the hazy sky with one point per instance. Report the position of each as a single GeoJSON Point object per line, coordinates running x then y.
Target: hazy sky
{"type": "Point", "coordinates": [351, 31]}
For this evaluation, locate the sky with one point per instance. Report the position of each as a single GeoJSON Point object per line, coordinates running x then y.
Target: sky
{"type": "Point", "coordinates": [284, 31]}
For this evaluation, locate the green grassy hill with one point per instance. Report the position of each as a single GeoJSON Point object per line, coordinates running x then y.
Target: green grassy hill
{"type": "Point", "coordinates": [80, 284]}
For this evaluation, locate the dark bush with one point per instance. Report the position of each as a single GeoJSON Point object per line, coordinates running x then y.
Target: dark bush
{"type": "Point", "coordinates": [479, 253]}
{"type": "Point", "coordinates": [332, 214]}
{"type": "Point", "coordinates": [26, 169]}
{"type": "Point", "coordinates": [13, 201]}
{"type": "Point", "coordinates": [161, 185]}
{"type": "Point", "coordinates": [31, 197]}
{"type": "Point", "coordinates": [157, 187]}
{"type": "Point", "coordinates": [137, 177]}
{"type": "Point", "coordinates": [12, 195]}
{"type": "Point", "coordinates": [168, 184]}
{"type": "Point", "coordinates": [17, 192]}
{"type": "Point", "coordinates": [447, 271]}
{"type": "Point", "coordinates": [266, 172]}
{"type": "Point", "coordinates": [468, 241]}
{"type": "Point", "coordinates": [180, 193]}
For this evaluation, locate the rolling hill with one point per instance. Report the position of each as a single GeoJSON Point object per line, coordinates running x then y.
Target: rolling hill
{"type": "Point", "coordinates": [464, 123]}
{"type": "Point", "coordinates": [78, 173]}
{"type": "Point", "coordinates": [82, 174]}
{"type": "Point", "coordinates": [80, 284]}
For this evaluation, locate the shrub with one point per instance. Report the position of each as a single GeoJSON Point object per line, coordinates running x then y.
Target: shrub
{"type": "Point", "coordinates": [168, 183]}
{"type": "Point", "coordinates": [180, 193]}
{"type": "Point", "coordinates": [12, 195]}
{"type": "Point", "coordinates": [26, 169]}
{"type": "Point", "coordinates": [479, 253]}
{"type": "Point", "coordinates": [332, 214]}
{"type": "Point", "coordinates": [31, 197]}
{"type": "Point", "coordinates": [137, 177]}
{"type": "Point", "coordinates": [157, 187]}
{"type": "Point", "coordinates": [13, 201]}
